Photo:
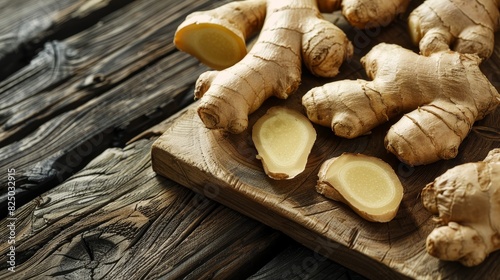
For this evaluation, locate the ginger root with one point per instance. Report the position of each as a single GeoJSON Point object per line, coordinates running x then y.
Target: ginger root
{"type": "Point", "coordinates": [294, 31]}
{"type": "Point", "coordinates": [283, 139]}
{"type": "Point", "coordinates": [466, 199]}
{"type": "Point", "coordinates": [367, 184]}
{"type": "Point", "coordinates": [444, 93]}
{"type": "Point", "coordinates": [366, 14]}
{"type": "Point", "coordinates": [217, 37]}
{"type": "Point", "coordinates": [466, 26]}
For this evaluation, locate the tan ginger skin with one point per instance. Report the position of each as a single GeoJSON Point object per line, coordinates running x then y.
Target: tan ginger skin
{"type": "Point", "coordinates": [366, 14]}
{"type": "Point", "coordinates": [293, 32]}
{"type": "Point", "coordinates": [465, 26]}
{"type": "Point", "coordinates": [466, 199]}
{"type": "Point", "coordinates": [444, 93]}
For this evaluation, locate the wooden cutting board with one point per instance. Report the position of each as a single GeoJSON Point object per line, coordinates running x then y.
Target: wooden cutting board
{"type": "Point", "coordinates": [224, 168]}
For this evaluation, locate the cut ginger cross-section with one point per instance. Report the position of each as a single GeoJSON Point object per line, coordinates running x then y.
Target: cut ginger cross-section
{"type": "Point", "coordinates": [367, 184]}
{"type": "Point", "coordinates": [283, 139]}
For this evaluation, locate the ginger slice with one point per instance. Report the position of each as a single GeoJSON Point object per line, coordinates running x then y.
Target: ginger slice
{"type": "Point", "coordinates": [367, 184]}
{"type": "Point", "coordinates": [217, 37]}
{"type": "Point", "coordinates": [214, 45]}
{"type": "Point", "coordinates": [283, 139]}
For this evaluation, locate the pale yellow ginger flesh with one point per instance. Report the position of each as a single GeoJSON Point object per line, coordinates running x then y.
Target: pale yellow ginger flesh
{"type": "Point", "coordinates": [464, 26]}
{"type": "Point", "coordinates": [213, 45]}
{"type": "Point", "coordinates": [218, 37]}
{"type": "Point", "coordinates": [294, 33]}
{"type": "Point", "coordinates": [442, 94]}
{"type": "Point", "coordinates": [367, 184]}
{"type": "Point", "coordinates": [466, 200]}
{"type": "Point", "coordinates": [283, 139]}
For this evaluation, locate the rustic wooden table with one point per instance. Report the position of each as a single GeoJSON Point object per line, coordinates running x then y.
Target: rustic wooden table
{"type": "Point", "coordinates": [86, 87]}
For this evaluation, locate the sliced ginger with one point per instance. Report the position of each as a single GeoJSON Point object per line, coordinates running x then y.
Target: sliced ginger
{"type": "Point", "coordinates": [218, 37]}
{"type": "Point", "coordinates": [213, 45]}
{"type": "Point", "coordinates": [367, 184]}
{"type": "Point", "coordinates": [283, 139]}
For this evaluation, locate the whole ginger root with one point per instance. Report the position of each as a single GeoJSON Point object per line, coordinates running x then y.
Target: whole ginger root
{"type": "Point", "coordinates": [465, 26]}
{"type": "Point", "coordinates": [443, 95]}
{"type": "Point", "coordinates": [466, 199]}
{"type": "Point", "coordinates": [293, 32]}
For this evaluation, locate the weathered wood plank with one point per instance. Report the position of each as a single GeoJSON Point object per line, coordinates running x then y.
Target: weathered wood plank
{"type": "Point", "coordinates": [62, 144]}
{"type": "Point", "coordinates": [297, 262]}
{"type": "Point", "coordinates": [26, 24]}
{"type": "Point", "coordinates": [117, 219]}
{"type": "Point", "coordinates": [92, 91]}
{"type": "Point", "coordinates": [68, 73]}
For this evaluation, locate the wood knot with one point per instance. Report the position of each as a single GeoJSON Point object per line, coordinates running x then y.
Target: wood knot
{"type": "Point", "coordinates": [89, 253]}
{"type": "Point", "coordinates": [93, 81]}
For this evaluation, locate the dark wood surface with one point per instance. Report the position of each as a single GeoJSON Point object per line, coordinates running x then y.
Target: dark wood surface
{"type": "Point", "coordinates": [86, 87]}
